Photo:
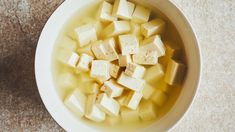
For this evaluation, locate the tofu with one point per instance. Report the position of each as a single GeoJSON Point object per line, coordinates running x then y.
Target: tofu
{"type": "Point", "coordinates": [112, 89]}
{"type": "Point", "coordinates": [154, 73]}
{"type": "Point", "coordinates": [85, 34]}
{"type": "Point", "coordinates": [121, 100]}
{"type": "Point", "coordinates": [108, 105]}
{"type": "Point", "coordinates": [67, 81]}
{"type": "Point", "coordinates": [133, 99]}
{"type": "Point", "coordinates": [114, 70]}
{"type": "Point", "coordinates": [116, 28]}
{"type": "Point", "coordinates": [109, 49]}
{"type": "Point", "coordinates": [145, 57]}
{"type": "Point", "coordinates": [100, 70]}
{"type": "Point", "coordinates": [76, 102]}
{"type": "Point", "coordinates": [148, 91]}
{"type": "Point", "coordinates": [147, 111]}
{"type": "Point", "coordinates": [84, 78]}
{"type": "Point", "coordinates": [105, 12]}
{"type": "Point", "coordinates": [136, 30]}
{"type": "Point", "coordinates": [92, 88]}
{"type": "Point", "coordinates": [162, 85]}
{"type": "Point", "coordinates": [86, 49]}
{"type": "Point", "coordinates": [98, 50]}
{"type": "Point", "coordinates": [153, 27]}
{"type": "Point", "coordinates": [123, 60]}
{"type": "Point", "coordinates": [175, 72]}
{"type": "Point", "coordinates": [154, 43]}
{"type": "Point", "coordinates": [141, 14]}
{"type": "Point", "coordinates": [159, 97]}
{"type": "Point", "coordinates": [129, 44]}
{"type": "Point", "coordinates": [134, 84]}
{"type": "Point", "coordinates": [84, 62]}
{"type": "Point", "coordinates": [68, 58]}
{"type": "Point", "coordinates": [131, 8]}
{"type": "Point", "coordinates": [113, 120]}
{"type": "Point", "coordinates": [135, 70]}
{"type": "Point", "coordinates": [129, 116]}
{"type": "Point", "coordinates": [67, 43]}
{"type": "Point", "coordinates": [121, 10]}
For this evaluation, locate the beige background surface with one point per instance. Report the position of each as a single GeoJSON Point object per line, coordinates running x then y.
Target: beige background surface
{"type": "Point", "coordinates": [21, 22]}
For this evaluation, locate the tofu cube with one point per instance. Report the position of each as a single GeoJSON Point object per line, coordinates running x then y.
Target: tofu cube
{"type": "Point", "coordinates": [154, 43]}
{"type": "Point", "coordinates": [152, 27]}
{"type": "Point", "coordinates": [135, 84]}
{"type": "Point", "coordinates": [105, 12]}
{"type": "Point", "coordinates": [141, 14]}
{"type": "Point", "coordinates": [85, 34]}
{"type": "Point", "coordinates": [154, 73]}
{"type": "Point", "coordinates": [147, 111]}
{"type": "Point", "coordinates": [133, 99]}
{"type": "Point", "coordinates": [109, 48]}
{"type": "Point", "coordinates": [175, 72]}
{"type": "Point", "coordinates": [121, 100]}
{"type": "Point", "coordinates": [108, 105]}
{"type": "Point", "coordinates": [100, 70]}
{"type": "Point", "coordinates": [135, 70]}
{"type": "Point", "coordinates": [159, 97]}
{"type": "Point", "coordinates": [123, 60]}
{"type": "Point", "coordinates": [131, 8]}
{"type": "Point", "coordinates": [114, 70]}
{"type": "Point", "coordinates": [120, 9]}
{"type": "Point", "coordinates": [136, 30]}
{"type": "Point", "coordinates": [76, 102]}
{"type": "Point", "coordinates": [86, 49]}
{"type": "Point", "coordinates": [129, 44]}
{"type": "Point", "coordinates": [112, 89]}
{"type": "Point", "coordinates": [116, 28]}
{"type": "Point", "coordinates": [98, 50]}
{"type": "Point", "coordinates": [68, 44]}
{"type": "Point", "coordinates": [113, 120]}
{"type": "Point", "coordinates": [91, 88]}
{"type": "Point", "coordinates": [148, 91]}
{"type": "Point", "coordinates": [84, 77]}
{"type": "Point", "coordinates": [145, 57]}
{"type": "Point", "coordinates": [69, 58]}
{"type": "Point", "coordinates": [84, 62]}
{"type": "Point", "coordinates": [67, 80]}
{"type": "Point", "coordinates": [162, 85]}
{"type": "Point", "coordinates": [129, 116]}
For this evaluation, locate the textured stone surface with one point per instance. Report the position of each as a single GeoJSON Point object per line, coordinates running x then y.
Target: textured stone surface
{"type": "Point", "coordinates": [21, 22]}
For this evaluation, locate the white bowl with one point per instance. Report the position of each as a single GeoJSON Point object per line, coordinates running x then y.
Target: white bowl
{"type": "Point", "coordinates": [43, 62]}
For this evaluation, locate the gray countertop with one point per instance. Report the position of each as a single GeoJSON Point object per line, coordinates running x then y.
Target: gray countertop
{"type": "Point", "coordinates": [21, 108]}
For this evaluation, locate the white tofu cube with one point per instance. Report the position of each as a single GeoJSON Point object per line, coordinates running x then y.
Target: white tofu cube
{"type": "Point", "coordinates": [86, 49]}
{"type": "Point", "coordinates": [85, 34]}
{"type": "Point", "coordinates": [129, 44]}
{"type": "Point", "coordinates": [148, 91]}
{"type": "Point", "coordinates": [133, 99]}
{"type": "Point", "coordinates": [116, 28]}
{"type": "Point", "coordinates": [120, 9]}
{"type": "Point", "coordinates": [159, 97]}
{"type": "Point", "coordinates": [105, 12]}
{"type": "Point", "coordinates": [145, 57]}
{"type": "Point", "coordinates": [76, 102]}
{"type": "Point", "coordinates": [67, 81]}
{"type": "Point", "coordinates": [136, 30]}
{"type": "Point", "coordinates": [135, 70]}
{"type": "Point", "coordinates": [91, 88]}
{"type": "Point", "coordinates": [69, 58]}
{"type": "Point", "coordinates": [152, 27]}
{"type": "Point", "coordinates": [175, 72]}
{"type": "Point", "coordinates": [98, 50]}
{"type": "Point", "coordinates": [109, 48]}
{"type": "Point", "coordinates": [130, 82]}
{"type": "Point", "coordinates": [111, 120]}
{"type": "Point", "coordinates": [114, 70]}
{"type": "Point", "coordinates": [141, 14]}
{"type": "Point", "coordinates": [100, 70]}
{"type": "Point", "coordinates": [84, 62]}
{"type": "Point", "coordinates": [131, 8]}
{"type": "Point", "coordinates": [108, 105]}
{"type": "Point", "coordinates": [147, 111]}
{"type": "Point", "coordinates": [112, 89]}
{"type": "Point", "coordinates": [67, 43]}
{"type": "Point", "coordinates": [154, 43]}
{"type": "Point", "coordinates": [154, 73]}
{"type": "Point", "coordinates": [123, 60]}
{"type": "Point", "coordinates": [129, 116]}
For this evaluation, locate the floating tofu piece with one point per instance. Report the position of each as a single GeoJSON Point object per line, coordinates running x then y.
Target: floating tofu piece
{"type": "Point", "coordinates": [67, 80]}
{"type": "Point", "coordinates": [148, 91]}
{"type": "Point", "coordinates": [100, 70]}
{"type": "Point", "coordinates": [115, 70]}
{"type": "Point", "coordinates": [123, 60]}
{"type": "Point", "coordinates": [145, 57]}
{"type": "Point", "coordinates": [133, 99]}
{"type": "Point", "coordinates": [111, 120]}
{"type": "Point", "coordinates": [105, 12]}
{"type": "Point", "coordinates": [175, 72]}
{"type": "Point", "coordinates": [147, 111]}
{"type": "Point", "coordinates": [153, 27]}
{"type": "Point", "coordinates": [154, 73]}
{"type": "Point", "coordinates": [116, 28]}
{"type": "Point", "coordinates": [159, 97]}
{"type": "Point", "coordinates": [134, 70]}
{"type": "Point", "coordinates": [92, 88]}
{"type": "Point", "coordinates": [141, 14]}
{"type": "Point", "coordinates": [136, 30]}
{"type": "Point", "coordinates": [120, 9]}
{"type": "Point", "coordinates": [86, 49]}
{"type": "Point", "coordinates": [84, 62]}
{"type": "Point", "coordinates": [112, 89]}
{"type": "Point", "coordinates": [135, 84]}
{"type": "Point", "coordinates": [129, 115]}
{"type": "Point", "coordinates": [154, 43]}
{"type": "Point", "coordinates": [68, 44]}
{"type": "Point", "coordinates": [76, 102]}
{"type": "Point", "coordinates": [98, 50]}
{"type": "Point", "coordinates": [129, 44]}
{"type": "Point", "coordinates": [109, 49]}
{"type": "Point", "coordinates": [108, 105]}
{"type": "Point", "coordinates": [69, 58]}
{"type": "Point", "coordinates": [131, 8]}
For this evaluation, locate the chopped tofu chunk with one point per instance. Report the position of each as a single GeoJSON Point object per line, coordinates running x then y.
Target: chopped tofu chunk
{"type": "Point", "coordinates": [98, 50]}
{"type": "Point", "coordinates": [175, 72]}
{"type": "Point", "coordinates": [131, 8]}
{"type": "Point", "coordinates": [85, 34]}
{"type": "Point", "coordinates": [134, 70]}
{"type": "Point", "coordinates": [67, 80]}
{"type": "Point", "coordinates": [154, 73]}
{"type": "Point", "coordinates": [84, 62]}
{"type": "Point", "coordinates": [113, 120]}
{"type": "Point", "coordinates": [154, 43]}
{"type": "Point", "coordinates": [108, 105]}
{"type": "Point", "coordinates": [120, 9]}
{"type": "Point", "coordinates": [130, 82]}
{"type": "Point", "coordinates": [69, 58]}
{"type": "Point", "coordinates": [141, 14]}
{"type": "Point", "coordinates": [129, 115]}
{"type": "Point", "coordinates": [85, 77]}
{"type": "Point", "coordinates": [109, 48]}
{"type": "Point", "coordinates": [155, 26]}
{"type": "Point", "coordinates": [68, 44]}
{"type": "Point", "coordinates": [86, 49]}
{"type": "Point", "coordinates": [162, 85]}
{"type": "Point", "coordinates": [121, 100]}
{"type": "Point", "coordinates": [116, 28]}
{"type": "Point", "coordinates": [105, 12]}
{"type": "Point", "coordinates": [123, 60]}
{"type": "Point", "coordinates": [129, 44]}
{"type": "Point", "coordinates": [133, 99]}
{"type": "Point", "coordinates": [76, 102]}
{"type": "Point", "coordinates": [112, 89]}
{"type": "Point", "coordinates": [145, 57]}
{"type": "Point", "coordinates": [100, 70]}
{"type": "Point", "coordinates": [136, 30]}
{"type": "Point", "coordinates": [159, 97]}
{"type": "Point", "coordinates": [115, 70]}
{"type": "Point", "coordinates": [148, 91]}
{"type": "Point", "coordinates": [147, 111]}
{"type": "Point", "coordinates": [92, 88]}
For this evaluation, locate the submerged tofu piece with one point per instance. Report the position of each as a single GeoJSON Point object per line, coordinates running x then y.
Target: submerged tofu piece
{"type": "Point", "coordinates": [129, 115]}
{"type": "Point", "coordinates": [85, 34]}
{"type": "Point", "coordinates": [98, 50]}
{"type": "Point", "coordinates": [105, 12]}
{"type": "Point", "coordinates": [175, 72]}
{"type": "Point", "coordinates": [116, 28]}
{"type": "Point", "coordinates": [154, 43]}
{"type": "Point", "coordinates": [100, 70]}
{"type": "Point", "coordinates": [84, 77]}
{"type": "Point", "coordinates": [136, 30]}
{"type": "Point", "coordinates": [68, 44]}
{"type": "Point", "coordinates": [130, 82]}
{"type": "Point", "coordinates": [69, 58]}
{"type": "Point", "coordinates": [108, 105]}
{"type": "Point", "coordinates": [141, 14]}
{"type": "Point", "coordinates": [121, 99]}
{"type": "Point", "coordinates": [123, 60]}
{"type": "Point", "coordinates": [111, 120]}
{"type": "Point", "coordinates": [131, 8]}
{"type": "Point", "coordinates": [159, 97]}
{"type": "Point", "coordinates": [92, 88]}
{"type": "Point", "coordinates": [148, 91]}
{"type": "Point", "coordinates": [86, 49]}
{"type": "Point", "coordinates": [154, 73]}
{"type": "Point", "coordinates": [129, 44]}
{"type": "Point", "coordinates": [109, 48]}
{"type": "Point", "coordinates": [84, 62]}
{"type": "Point", "coordinates": [76, 102]}
{"type": "Point", "coordinates": [133, 99]}
{"type": "Point", "coordinates": [147, 111]}
{"type": "Point", "coordinates": [135, 70]}
{"type": "Point", "coordinates": [162, 85]}
{"type": "Point", "coordinates": [145, 57]}
{"type": "Point", "coordinates": [114, 70]}
{"type": "Point", "coordinates": [152, 27]}
{"type": "Point", "coordinates": [120, 9]}
{"type": "Point", "coordinates": [67, 80]}
{"type": "Point", "coordinates": [112, 89]}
